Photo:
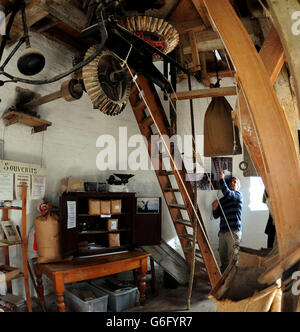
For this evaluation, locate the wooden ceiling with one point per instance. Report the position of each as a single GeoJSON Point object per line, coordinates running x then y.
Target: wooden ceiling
{"type": "Point", "coordinates": [63, 21]}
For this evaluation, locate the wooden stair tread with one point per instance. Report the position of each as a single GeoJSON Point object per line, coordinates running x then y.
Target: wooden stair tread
{"type": "Point", "coordinates": [171, 189]}
{"type": "Point", "coordinates": [148, 121]}
{"type": "Point", "coordinates": [140, 105]}
{"type": "Point", "coordinates": [177, 206]}
{"type": "Point", "coordinates": [184, 222]}
{"type": "Point", "coordinates": [186, 236]}
{"type": "Point", "coordinates": [165, 173]}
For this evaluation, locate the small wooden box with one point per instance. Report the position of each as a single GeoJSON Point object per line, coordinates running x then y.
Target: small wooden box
{"type": "Point", "coordinates": [114, 240]}
{"type": "Point", "coordinates": [112, 225]}
{"type": "Point", "coordinates": [105, 207]}
{"type": "Point", "coordinates": [94, 207]}
{"type": "Point", "coordinates": [116, 206]}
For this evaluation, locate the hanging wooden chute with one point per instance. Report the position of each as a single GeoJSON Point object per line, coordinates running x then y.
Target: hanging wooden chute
{"type": "Point", "coordinates": [239, 290]}
{"type": "Point", "coordinates": [221, 137]}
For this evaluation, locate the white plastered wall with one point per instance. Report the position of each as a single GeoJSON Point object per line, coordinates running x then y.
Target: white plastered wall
{"type": "Point", "coordinates": [68, 148]}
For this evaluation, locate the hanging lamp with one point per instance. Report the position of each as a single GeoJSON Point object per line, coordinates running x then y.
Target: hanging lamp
{"type": "Point", "coordinates": [221, 136]}
{"type": "Point", "coordinates": [31, 61]}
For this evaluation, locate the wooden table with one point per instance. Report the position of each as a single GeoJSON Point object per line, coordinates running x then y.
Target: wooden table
{"type": "Point", "coordinates": [90, 268]}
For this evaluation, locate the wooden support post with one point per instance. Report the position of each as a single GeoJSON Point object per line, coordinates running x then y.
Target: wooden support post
{"type": "Point", "coordinates": [280, 157]}
{"type": "Point", "coordinates": [286, 19]}
{"type": "Point", "coordinates": [24, 248]}
{"type": "Point", "coordinates": [272, 55]}
{"type": "Point", "coordinates": [195, 53]}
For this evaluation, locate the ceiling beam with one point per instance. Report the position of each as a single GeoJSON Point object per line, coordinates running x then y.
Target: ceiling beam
{"type": "Point", "coordinates": [208, 40]}
{"type": "Point", "coordinates": [205, 93]}
{"type": "Point", "coordinates": [66, 12]}
{"type": "Point", "coordinates": [202, 12]}
{"type": "Point", "coordinates": [184, 27]}
{"type": "Point", "coordinates": [33, 15]}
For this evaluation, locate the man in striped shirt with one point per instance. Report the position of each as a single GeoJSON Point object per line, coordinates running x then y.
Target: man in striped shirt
{"type": "Point", "coordinates": [230, 214]}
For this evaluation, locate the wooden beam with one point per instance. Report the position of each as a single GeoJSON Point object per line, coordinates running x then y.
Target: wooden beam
{"type": "Point", "coordinates": [66, 12]}
{"type": "Point", "coordinates": [184, 27]}
{"type": "Point", "coordinates": [209, 40]}
{"type": "Point", "coordinates": [286, 18]}
{"type": "Point", "coordinates": [202, 12]}
{"type": "Point", "coordinates": [280, 157]}
{"type": "Point", "coordinates": [195, 52]}
{"type": "Point", "coordinates": [272, 55]}
{"type": "Point", "coordinates": [205, 93]}
{"type": "Point", "coordinates": [224, 73]}
{"type": "Point", "coordinates": [33, 15]}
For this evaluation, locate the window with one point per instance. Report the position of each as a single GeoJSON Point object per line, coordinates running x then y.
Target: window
{"type": "Point", "coordinates": [257, 190]}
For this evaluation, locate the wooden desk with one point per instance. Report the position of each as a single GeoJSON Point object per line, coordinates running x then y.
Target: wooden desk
{"type": "Point", "coordinates": [90, 268]}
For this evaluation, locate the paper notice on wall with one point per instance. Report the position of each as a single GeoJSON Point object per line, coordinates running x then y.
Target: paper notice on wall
{"type": "Point", "coordinates": [6, 187]}
{"type": "Point", "coordinates": [71, 221]}
{"type": "Point", "coordinates": [38, 187]}
{"type": "Point", "coordinates": [21, 179]}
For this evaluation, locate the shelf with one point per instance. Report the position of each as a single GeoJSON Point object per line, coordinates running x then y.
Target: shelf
{"type": "Point", "coordinates": [9, 244]}
{"type": "Point", "coordinates": [102, 216]}
{"type": "Point", "coordinates": [104, 232]}
{"type": "Point", "coordinates": [36, 123]}
{"type": "Point", "coordinates": [10, 208]}
{"type": "Point", "coordinates": [104, 250]}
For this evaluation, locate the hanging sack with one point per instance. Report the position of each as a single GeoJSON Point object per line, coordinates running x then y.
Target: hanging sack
{"type": "Point", "coordinates": [218, 130]}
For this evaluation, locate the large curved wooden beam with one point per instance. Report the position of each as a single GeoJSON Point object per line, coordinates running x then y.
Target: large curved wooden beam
{"type": "Point", "coordinates": [286, 18]}
{"type": "Point", "coordinates": [281, 161]}
{"type": "Point", "coordinates": [272, 55]}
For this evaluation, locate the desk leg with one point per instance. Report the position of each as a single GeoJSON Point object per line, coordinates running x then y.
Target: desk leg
{"type": "Point", "coordinates": [40, 287]}
{"type": "Point", "coordinates": [59, 286]}
{"type": "Point", "coordinates": [142, 280]}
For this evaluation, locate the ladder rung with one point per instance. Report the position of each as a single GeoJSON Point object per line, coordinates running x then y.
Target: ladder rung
{"type": "Point", "coordinates": [190, 250]}
{"type": "Point", "coordinates": [177, 206]}
{"type": "Point", "coordinates": [139, 106]}
{"type": "Point", "coordinates": [201, 265]}
{"type": "Point", "coordinates": [186, 236]}
{"type": "Point", "coordinates": [165, 173]}
{"type": "Point", "coordinates": [172, 189]}
{"type": "Point", "coordinates": [134, 89]}
{"type": "Point", "coordinates": [184, 222]}
{"type": "Point", "coordinates": [161, 155]}
{"type": "Point", "coordinates": [147, 121]}
{"type": "Point", "coordinates": [202, 276]}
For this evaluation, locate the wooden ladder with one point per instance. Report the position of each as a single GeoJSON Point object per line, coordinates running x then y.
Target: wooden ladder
{"type": "Point", "coordinates": [181, 214]}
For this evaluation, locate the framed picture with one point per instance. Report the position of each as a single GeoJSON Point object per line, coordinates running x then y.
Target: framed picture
{"type": "Point", "coordinates": [148, 205]}
{"type": "Point", "coordinates": [10, 231]}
